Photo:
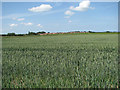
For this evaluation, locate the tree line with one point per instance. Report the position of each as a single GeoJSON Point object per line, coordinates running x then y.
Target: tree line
{"type": "Point", "coordinates": [43, 32]}
{"type": "Point", "coordinates": [29, 33]}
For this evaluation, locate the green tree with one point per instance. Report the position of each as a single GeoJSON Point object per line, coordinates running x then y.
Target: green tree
{"type": "Point", "coordinates": [11, 34]}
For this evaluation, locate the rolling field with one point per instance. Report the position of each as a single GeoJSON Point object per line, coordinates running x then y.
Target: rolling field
{"type": "Point", "coordinates": [60, 61]}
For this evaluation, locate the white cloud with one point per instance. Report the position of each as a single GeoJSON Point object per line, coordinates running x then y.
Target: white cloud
{"type": "Point", "coordinates": [41, 8]}
{"type": "Point", "coordinates": [27, 24]}
{"type": "Point", "coordinates": [69, 21]}
{"type": "Point", "coordinates": [83, 6]}
{"type": "Point", "coordinates": [68, 12]}
{"type": "Point", "coordinates": [20, 19]}
{"type": "Point", "coordinates": [39, 25]}
{"type": "Point", "coordinates": [13, 25]}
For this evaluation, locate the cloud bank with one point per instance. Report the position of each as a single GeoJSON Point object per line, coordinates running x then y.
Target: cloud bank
{"type": "Point", "coordinates": [13, 25]}
{"type": "Point", "coordinates": [41, 8]}
{"type": "Point", "coordinates": [27, 24]}
{"type": "Point", "coordinates": [20, 19]}
{"type": "Point", "coordinates": [83, 6]}
{"type": "Point", "coordinates": [68, 12]}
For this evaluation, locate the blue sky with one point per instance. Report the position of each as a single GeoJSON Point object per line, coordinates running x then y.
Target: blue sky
{"type": "Point", "coordinates": [21, 17]}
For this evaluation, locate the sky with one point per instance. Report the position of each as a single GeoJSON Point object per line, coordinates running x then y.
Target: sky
{"type": "Point", "coordinates": [22, 17]}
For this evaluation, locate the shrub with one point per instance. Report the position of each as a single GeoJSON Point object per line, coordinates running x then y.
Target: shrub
{"type": "Point", "coordinates": [42, 32]}
{"type": "Point", "coordinates": [31, 33]}
{"type": "Point", "coordinates": [11, 34]}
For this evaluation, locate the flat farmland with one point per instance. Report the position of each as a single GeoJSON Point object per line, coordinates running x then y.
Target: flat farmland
{"type": "Point", "coordinates": [60, 61]}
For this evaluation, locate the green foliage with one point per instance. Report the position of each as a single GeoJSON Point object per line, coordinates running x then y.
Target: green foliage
{"type": "Point", "coordinates": [62, 61]}
{"type": "Point", "coordinates": [11, 34]}
{"type": "Point", "coordinates": [91, 32]}
{"type": "Point", "coordinates": [20, 34]}
{"type": "Point", "coordinates": [42, 32]}
{"type": "Point", "coordinates": [107, 31]}
{"type": "Point", "coordinates": [31, 33]}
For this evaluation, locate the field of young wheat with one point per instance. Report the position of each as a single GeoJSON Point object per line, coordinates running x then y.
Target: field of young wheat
{"type": "Point", "coordinates": [60, 61]}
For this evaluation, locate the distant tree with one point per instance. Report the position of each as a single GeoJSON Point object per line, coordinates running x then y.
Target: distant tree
{"type": "Point", "coordinates": [11, 34]}
{"type": "Point", "coordinates": [19, 34]}
{"type": "Point", "coordinates": [31, 33]}
{"type": "Point", "coordinates": [42, 32]}
{"type": "Point", "coordinates": [77, 31]}
{"type": "Point", "coordinates": [90, 31]}
{"type": "Point", "coordinates": [107, 31]}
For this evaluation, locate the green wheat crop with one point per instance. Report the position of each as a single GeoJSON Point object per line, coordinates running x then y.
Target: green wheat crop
{"type": "Point", "coordinates": [60, 61]}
